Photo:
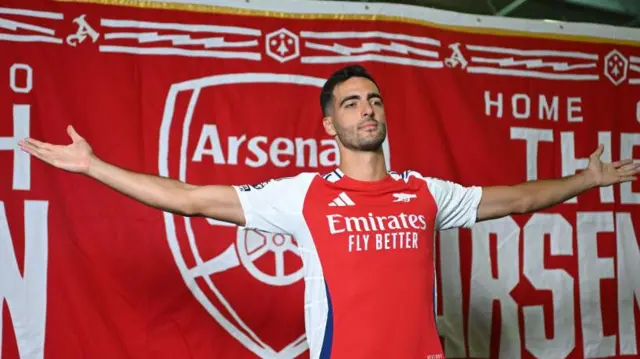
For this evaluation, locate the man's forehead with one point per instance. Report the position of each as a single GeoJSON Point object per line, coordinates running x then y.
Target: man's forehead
{"type": "Point", "coordinates": [356, 85]}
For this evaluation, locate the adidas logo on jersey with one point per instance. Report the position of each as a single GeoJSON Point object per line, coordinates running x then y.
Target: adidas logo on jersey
{"type": "Point", "coordinates": [341, 201]}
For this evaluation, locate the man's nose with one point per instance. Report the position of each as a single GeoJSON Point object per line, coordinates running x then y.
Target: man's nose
{"type": "Point", "coordinates": [367, 109]}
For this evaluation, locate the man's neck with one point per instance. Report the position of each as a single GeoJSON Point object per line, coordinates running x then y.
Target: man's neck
{"type": "Point", "coordinates": [363, 166]}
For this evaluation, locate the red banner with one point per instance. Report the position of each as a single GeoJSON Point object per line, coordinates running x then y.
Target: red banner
{"type": "Point", "coordinates": [220, 92]}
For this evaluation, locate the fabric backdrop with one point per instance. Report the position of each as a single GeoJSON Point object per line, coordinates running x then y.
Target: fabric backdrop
{"type": "Point", "coordinates": [226, 92]}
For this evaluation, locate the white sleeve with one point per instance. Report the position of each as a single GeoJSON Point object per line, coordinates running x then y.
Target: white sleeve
{"type": "Point", "coordinates": [457, 205]}
{"type": "Point", "coordinates": [274, 206]}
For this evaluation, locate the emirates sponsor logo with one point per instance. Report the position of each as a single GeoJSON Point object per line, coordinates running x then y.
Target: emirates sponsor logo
{"type": "Point", "coordinates": [340, 224]}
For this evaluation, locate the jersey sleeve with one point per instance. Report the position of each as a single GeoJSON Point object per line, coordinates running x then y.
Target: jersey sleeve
{"type": "Point", "coordinates": [457, 205]}
{"type": "Point", "coordinates": [274, 206]}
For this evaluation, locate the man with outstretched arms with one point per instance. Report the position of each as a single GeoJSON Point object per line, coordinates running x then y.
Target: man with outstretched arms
{"type": "Point", "coordinates": [365, 234]}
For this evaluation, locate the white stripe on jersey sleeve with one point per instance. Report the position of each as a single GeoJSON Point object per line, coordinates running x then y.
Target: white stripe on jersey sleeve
{"type": "Point", "coordinates": [457, 205]}
{"type": "Point", "coordinates": [316, 304]}
{"type": "Point", "coordinates": [275, 206]}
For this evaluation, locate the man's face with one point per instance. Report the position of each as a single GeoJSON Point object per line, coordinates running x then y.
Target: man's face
{"type": "Point", "coordinates": [357, 115]}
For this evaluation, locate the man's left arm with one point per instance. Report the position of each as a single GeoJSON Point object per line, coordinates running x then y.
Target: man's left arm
{"type": "Point", "coordinates": [500, 201]}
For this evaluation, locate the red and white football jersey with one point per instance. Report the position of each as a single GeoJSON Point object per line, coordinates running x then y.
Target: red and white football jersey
{"type": "Point", "coordinates": [367, 251]}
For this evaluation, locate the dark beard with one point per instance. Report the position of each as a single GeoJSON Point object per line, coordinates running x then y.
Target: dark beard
{"type": "Point", "coordinates": [370, 145]}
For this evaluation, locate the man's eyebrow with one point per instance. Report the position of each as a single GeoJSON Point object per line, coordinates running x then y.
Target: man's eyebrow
{"type": "Point", "coordinates": [352, 97]}
{"type": "Point", "coordinates": [357, 97]}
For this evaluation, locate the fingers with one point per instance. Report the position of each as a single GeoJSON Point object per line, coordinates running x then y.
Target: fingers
{"type": "Point", "coordinates": [628, 172]}
{"type": "Point", "coordinates": [33, 146]}
{"type": "Point", "coordinates": [598, 151]}
{"type": "Point", "coordinates": [629, 166]}
{"type": "Point", "coordinates": [73, 134]}
{"type": "Point", "coordinates": [627, 175]}
{"type": "Point", "coordinates": [30, 147]}
{"type": "Point", "coordinates": [628, 179]}
{"type": "Point", "coordinates": [38, 144]}
{"type": "Point", "coordinates": [628, 169]}
{"type": "Point", "coordinates": [37, 149]}
{"type": "Point", "coordinates": [33, 143]}
{"type": "Point", "coordinates": [622, 163]}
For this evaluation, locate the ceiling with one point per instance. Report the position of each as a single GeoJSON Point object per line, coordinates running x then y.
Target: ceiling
{"type": "Point", "coordinates": [624, 13]}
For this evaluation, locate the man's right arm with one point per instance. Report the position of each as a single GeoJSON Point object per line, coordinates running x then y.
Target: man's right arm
{"type": "Point", "coordinates": [217, 202]}
{"type": "Point", "coordinates": [170, 195]}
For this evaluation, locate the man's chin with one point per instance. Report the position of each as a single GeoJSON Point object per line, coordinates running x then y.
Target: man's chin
{"type": "Point", "coordinates": [371, 146]}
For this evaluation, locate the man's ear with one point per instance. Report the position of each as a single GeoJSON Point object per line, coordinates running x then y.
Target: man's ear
{"type": "Point", "coordinates": [327, 122]}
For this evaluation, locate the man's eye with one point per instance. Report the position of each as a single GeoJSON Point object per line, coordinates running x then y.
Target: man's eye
{"type": "Point", "coordinates": [350, 104]}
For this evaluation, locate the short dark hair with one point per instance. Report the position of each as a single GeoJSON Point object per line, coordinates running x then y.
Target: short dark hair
{"type": "Point", "coordinates": [338, 77]}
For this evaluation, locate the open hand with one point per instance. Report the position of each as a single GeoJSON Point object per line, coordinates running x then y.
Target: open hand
{"type": "Point", "coordinates": [606, 174]}
{"type": "Point", "coordinates": [75, 157]}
